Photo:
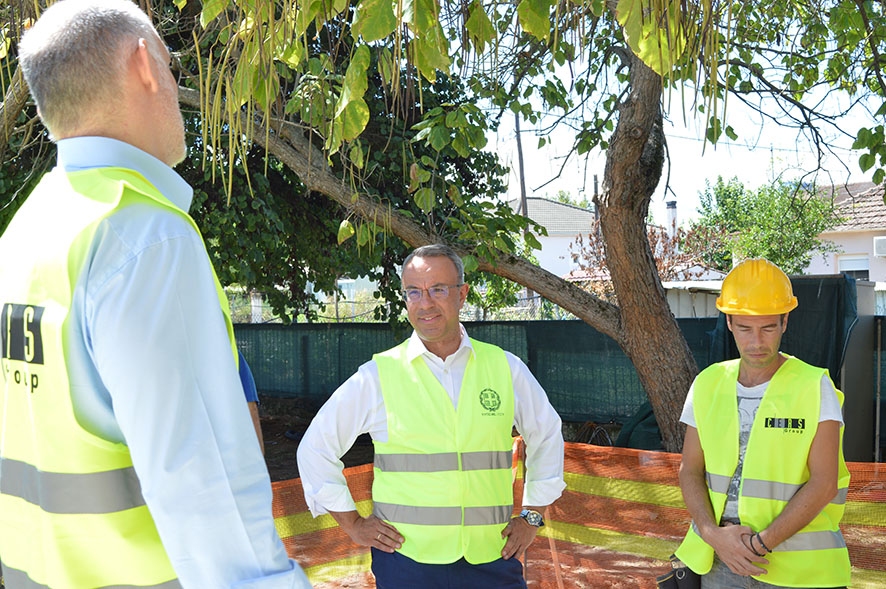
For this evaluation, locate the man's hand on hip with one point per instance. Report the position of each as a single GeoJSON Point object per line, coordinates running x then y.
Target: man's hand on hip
{"type": "Point", "coordinates": [520, 535]}
{"type": "Point", "coordinates": [369, 531]}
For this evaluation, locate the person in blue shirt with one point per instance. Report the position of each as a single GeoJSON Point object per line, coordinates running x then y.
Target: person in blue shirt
{"type": "Point", "coordinates": [146, 345]}
{"type": "Point", "coordinates": [248, 382]}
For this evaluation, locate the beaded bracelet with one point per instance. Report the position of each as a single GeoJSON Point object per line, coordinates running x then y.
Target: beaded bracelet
{"type": "Point", "coordinates": [760, 540]}
{"type": "Point", "coordinates": [751, 543]}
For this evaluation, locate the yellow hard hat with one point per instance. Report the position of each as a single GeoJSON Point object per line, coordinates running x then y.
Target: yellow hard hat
{"type": "Point", "coordinates": [756, 287]}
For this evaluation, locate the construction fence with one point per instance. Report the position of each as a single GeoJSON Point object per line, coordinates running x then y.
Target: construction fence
{"type": "Point", "coordinates": [620, 517]}
{"type": "Point", "coordinates": [586, 375]}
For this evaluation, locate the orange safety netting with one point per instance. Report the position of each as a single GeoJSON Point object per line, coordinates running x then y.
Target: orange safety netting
{"type": "Point", "coordinates": [618, 520]}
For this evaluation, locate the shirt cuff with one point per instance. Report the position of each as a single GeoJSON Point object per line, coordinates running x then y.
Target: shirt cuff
{"type": "Point", "coordinates": [294, 578]}
{"type": "Point", "coordinates": [331, 497]}
{"type": "Point", "coordinates": [543, 492]}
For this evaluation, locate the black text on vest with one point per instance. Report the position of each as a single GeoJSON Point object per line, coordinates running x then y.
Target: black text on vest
{"type": "Point", "coordinates": [21, 341]}
{"type": "Point", "coordinates": [785, 422]}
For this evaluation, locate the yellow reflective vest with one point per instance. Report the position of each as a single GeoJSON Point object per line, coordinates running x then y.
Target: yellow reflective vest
{"type": "Point", "coordinates": [774, 469]}
{"type": "Point", "coordinates": [443, 478]}
{"type": "Point", "coordinates": [71, 510]}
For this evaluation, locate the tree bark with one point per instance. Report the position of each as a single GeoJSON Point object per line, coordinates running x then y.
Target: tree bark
{"type": "Point", "coordinates": [653, 340]}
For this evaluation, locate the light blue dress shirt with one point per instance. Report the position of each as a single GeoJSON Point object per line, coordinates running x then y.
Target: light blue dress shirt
{"type": "Point", "coordinates": [150, 366]}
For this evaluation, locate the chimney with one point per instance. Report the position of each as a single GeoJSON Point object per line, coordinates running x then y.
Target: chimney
{"type": "Point", "coordinates": [671, 218]}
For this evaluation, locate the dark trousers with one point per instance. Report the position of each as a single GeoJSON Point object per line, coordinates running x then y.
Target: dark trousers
{"type": "Point", "coordinates": [395, 571]}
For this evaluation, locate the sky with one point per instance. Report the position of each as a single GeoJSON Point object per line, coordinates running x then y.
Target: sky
{"type": "Point", "coordinates": [762, 151]}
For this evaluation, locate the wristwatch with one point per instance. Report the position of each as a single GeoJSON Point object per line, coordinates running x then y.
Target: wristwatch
{"type": "Point", "coordinates": [533, 518]}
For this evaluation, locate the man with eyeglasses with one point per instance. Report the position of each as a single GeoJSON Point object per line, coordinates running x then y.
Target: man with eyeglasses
{"type": "Point", "coordinates": [440, 408]}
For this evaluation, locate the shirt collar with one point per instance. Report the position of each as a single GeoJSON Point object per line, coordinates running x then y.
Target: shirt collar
{"type": "Point", "coordinates": [416, 347]}
{"type": "Point", "coordinates": [85, 153]}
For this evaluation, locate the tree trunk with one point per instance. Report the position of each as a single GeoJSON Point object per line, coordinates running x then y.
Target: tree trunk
{"type": "Point", "coordinates": [653, 340]}
{"type": "Point", "coordinates": [643, 327]}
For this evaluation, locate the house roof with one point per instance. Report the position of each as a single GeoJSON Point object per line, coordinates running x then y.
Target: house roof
{"type": "Point", "coordinates": [861, 205]}
{"type": "Point", "coordinates": [557, 217]}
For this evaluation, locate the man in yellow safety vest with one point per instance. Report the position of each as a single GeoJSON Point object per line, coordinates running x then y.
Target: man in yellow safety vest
{"type": "Point", "coordinates": [127, 456]}
{"type": "Point", "coordinates": [440, 408]}
{"type": "Point", "coordinates": [763, 474]}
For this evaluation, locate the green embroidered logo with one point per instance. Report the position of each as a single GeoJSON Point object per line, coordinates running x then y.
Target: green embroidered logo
{"type": "Point", "coordinates": [490, 400]}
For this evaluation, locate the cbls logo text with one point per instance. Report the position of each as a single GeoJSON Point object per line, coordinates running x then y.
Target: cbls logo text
{"type": "Point", "coordinates": [788, 424]}
{"type": "Point", "coordinates": [21, 340]}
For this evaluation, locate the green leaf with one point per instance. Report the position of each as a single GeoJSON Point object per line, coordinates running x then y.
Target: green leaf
{"type": "Point", "coordinates": [293, 55]}
{"type": "Point", "coordinates": [659, 47]}
{"type": "Point", "coordinates": [424, 198]}
{"type": "Point", "coordinates": [866, 161]}
{"type": "Point", "coordinates": [454, 195]}
{"type": "Point", "coordinates": [357, 155]}
{"type": "Point", "coordinates": [430, 56]}
{"type": "Point", "coordinates": [460, 145]}
{"type": "Point", "coordinates": [266, 89]}
{"type": "Point", "coordinates": [480, 29]}
{"type": "Point", "coordinates": [532, 242]}
{"type": "Point", "coordinates": [345, 231]}
{"type": "Point", "coordinates": [363, 234]}
{"type": "Point", "coordinates": [439, 137]}
{"type": "Point", "coordinates": [180, 4]}
{"type": "Point", "coordinates": [375, 20]}
{"type": "Point", "coordinates": [211, 9]}
{"type": "Point", "coordinates": [352, 112]}
{"type": "Point", "coordinates": [386, 65]}
{"type": "Point", "coordinates": [470, 263]}
{"type": "Point", "coordinates": [535, 17]}
{"type": "Point", "coordinates": [878, 176]}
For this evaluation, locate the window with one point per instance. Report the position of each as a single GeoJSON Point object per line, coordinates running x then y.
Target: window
{"type": "Point", "coordinates": [856, 266]}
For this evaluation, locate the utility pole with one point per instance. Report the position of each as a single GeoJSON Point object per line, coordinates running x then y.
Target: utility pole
{"type": "Point", "coordinates": [524, 208]}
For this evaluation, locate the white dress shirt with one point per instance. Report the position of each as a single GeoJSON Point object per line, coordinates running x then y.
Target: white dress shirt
{"type": "Point", "coordinates": [357, 407]}
{"type": "Point", "coordinates": [151, 366]}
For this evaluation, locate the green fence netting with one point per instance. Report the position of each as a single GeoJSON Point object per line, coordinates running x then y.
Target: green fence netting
{"type": "Point", "coordinates": [585, 374]}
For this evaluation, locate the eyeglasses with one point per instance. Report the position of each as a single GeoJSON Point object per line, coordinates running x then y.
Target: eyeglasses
{"type": "Point", "coordinates": [438, 292]}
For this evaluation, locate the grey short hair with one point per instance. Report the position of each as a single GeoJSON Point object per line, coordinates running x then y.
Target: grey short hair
{"type": "Point", "coordinates": [73, 57]}
{"type": "Point", "coordinates": [436, 250]}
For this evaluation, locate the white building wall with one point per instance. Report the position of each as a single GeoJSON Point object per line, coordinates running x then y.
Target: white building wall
{"type": "Point", "coordinates": [554, 255]}
{"type": "Point", "coordinates": [851, 243]}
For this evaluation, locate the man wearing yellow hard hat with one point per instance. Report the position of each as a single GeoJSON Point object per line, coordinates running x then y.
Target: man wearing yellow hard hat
{"type": "Point", "coordinates": [763, 474]}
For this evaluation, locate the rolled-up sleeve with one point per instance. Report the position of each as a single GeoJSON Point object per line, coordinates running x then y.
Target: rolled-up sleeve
{"type": "Point", "coordinates": [161, 348]}
{"type": "Point", "coordinates": [541, 428]}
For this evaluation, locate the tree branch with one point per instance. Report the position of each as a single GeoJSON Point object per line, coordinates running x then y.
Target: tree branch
{"type": "Point", "coordinates": [309, 163]}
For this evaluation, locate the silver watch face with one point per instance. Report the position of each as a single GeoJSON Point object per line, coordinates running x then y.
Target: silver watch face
{"type": "Point", "coordinates": [532, 517]}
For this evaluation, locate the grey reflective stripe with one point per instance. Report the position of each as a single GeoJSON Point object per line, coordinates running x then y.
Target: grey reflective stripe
{"type": "Point", "coordinates": [424, 516]}
{"type": "Point", "coordinates": [442, 516]}
{"type": "Point", "coordinates": [487, 516]}
{"type": "Point", "coordinates": [59, 492]}
{"type": "Point", "coordinates": [717, 483]}
{"type": "Point", "coordinates": [840, 497]}
{"type": "Point", "coordinates": [487, 460]}
{"type": "Point", "coordinates": [760, 489]}
{"type": "Point", "coordinates": [16, 579]}
{"type": "Point", "coordinates": [416, 462]}
{"type": "Point", "coordinates": [823, 540]}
